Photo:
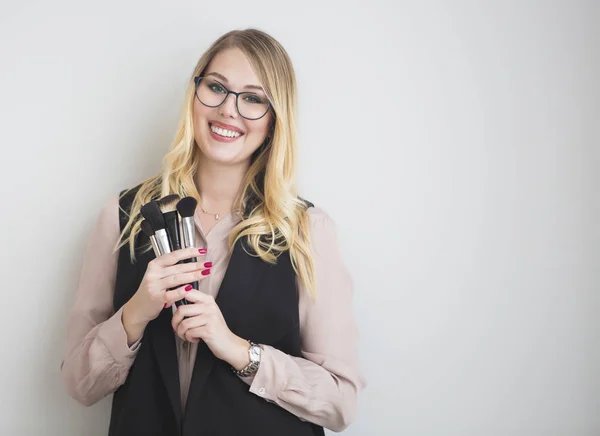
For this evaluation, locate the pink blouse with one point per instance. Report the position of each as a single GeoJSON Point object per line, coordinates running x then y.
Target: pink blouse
{"type": "Point", "coordinates": [320, 387]}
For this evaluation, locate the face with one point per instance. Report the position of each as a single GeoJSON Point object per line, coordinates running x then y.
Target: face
{"type": "Point", "coordinates": [229, 69]}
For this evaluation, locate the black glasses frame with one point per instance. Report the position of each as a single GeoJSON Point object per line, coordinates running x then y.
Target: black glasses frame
{"type": "Point", "coordinates": [197, 80]}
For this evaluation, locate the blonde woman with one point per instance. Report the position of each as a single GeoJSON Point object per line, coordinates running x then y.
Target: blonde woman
{"type": "Point", "coordinates": [267, 345]}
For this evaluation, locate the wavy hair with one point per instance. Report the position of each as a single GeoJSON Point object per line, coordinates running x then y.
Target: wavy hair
{"type": "Point", "coordinates": [274, 218]}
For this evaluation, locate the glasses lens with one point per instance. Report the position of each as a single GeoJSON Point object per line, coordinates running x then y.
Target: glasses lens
{"type": "Point", "coordinates": [210, 92]}
{"type": "Point", "coordinates": [251, 105]}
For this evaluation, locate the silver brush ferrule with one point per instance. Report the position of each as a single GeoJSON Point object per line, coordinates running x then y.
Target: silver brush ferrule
{"type": "Point", "coordinates": [162, 240]}
{"type": "Point", "coordinates": [188, 232]}
{"type": "Point", "coordinates": [155, 246]}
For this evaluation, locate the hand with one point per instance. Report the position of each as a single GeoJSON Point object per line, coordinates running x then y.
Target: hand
{"type": "Point", "coordinates": [203, 320]}
{"type": "Point", "coordinates": [153, 294]}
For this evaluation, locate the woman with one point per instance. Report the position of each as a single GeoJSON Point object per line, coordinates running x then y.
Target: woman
{"type": "Point", "coordinates": [267, 344]}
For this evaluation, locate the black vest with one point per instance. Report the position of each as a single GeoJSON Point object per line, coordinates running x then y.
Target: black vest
{"type": "Point", "coordinates": [259, 302]}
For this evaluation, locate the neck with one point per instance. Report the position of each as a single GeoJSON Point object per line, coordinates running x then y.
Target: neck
{"type": "Point", "coordinates": [218, 184]}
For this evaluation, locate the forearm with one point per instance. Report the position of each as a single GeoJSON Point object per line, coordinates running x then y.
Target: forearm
{"type": "Point", "coordinates": [323, 393]}
{"type": "Point", "coordinates": [99, 363]}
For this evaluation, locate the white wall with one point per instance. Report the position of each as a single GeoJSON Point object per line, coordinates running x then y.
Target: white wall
{"type": "Point", "coordinates": [455, 143]}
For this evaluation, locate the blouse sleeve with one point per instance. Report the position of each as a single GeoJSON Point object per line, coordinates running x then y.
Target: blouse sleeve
{"type": "Point", "coordinates": [97, 357]}
{"type": "Point", "coordinates": [322, 386]}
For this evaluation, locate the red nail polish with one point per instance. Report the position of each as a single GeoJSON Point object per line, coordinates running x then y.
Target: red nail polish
{"type": "Point", "coordinates": [206, 272]}
{"type": "Point", "coordinates": [188, 288]}
{"type": "Point", "coordinates": [207, 264]}
{"type": "Point", "coordinates": [202, 250]}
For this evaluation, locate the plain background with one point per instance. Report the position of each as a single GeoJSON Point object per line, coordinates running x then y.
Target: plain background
{"type": "Point", "coordinates": [456, 145]}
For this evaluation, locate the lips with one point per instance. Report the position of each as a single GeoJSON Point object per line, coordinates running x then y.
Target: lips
{"type": "Point", "coordinates": [225, 139]}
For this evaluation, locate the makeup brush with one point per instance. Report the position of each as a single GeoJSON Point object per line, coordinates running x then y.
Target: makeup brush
{"type": "Point", "coordinates": [152, 213]}
{"type": "Point", "coordinates": [167, 207]}
{"type": "Point", "coordinates": [186, 208]}
{"type": "Point", "coordinates": [147, 229]}
{"type": "Point", "coordinates": [169, 210]}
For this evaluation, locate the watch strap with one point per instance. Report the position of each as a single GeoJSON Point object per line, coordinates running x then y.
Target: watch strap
{"type": "Point", "coordinates": [249, 369]}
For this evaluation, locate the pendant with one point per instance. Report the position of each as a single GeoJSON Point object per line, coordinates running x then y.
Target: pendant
{"type": "Point", "coordinates": [217, 216]}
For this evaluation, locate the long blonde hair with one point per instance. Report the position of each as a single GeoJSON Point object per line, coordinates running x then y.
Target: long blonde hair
{"type": "Point", "coordinates": [276, 219]}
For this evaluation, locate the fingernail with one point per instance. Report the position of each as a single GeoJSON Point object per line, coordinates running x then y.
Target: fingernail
{"type": "Point", "coordinates": [188, 288]}
{"type": "Point", "coordinates": [206, 272]}
{"type": "Point", "coordinates": [165, 306]}
{"type": "Point", "coordinates": [202, 251]}
{"type": "Point", "coordinates": [207, 264]}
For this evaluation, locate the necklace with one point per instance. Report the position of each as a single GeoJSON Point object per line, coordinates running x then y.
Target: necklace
{"type": "Point", "coordinates": [216, 215]}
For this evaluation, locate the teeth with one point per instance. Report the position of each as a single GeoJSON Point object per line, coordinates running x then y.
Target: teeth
{"type": "Point", "coordinates": [224, 132]}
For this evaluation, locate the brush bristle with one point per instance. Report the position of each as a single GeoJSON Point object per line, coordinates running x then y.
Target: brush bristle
{"type": "Point", "coordinates": [168, 203]}
{"type": "Point", "coordinates": [187, 206]}
{"type": "Point", "coordinates": [147, 228]}
{"type": "Point", "coordinates": [151, 211]}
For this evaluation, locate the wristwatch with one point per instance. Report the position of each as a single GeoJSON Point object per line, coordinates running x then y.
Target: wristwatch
{"type": "Point", "coordinates": [252, 367]}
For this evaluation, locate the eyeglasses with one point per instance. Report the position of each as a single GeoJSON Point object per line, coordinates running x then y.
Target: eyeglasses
{"type": "Point", "coordinates": [212, 93]}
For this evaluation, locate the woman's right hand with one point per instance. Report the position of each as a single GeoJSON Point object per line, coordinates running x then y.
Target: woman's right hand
{"type": "Point", "coordinates": [153, 294]}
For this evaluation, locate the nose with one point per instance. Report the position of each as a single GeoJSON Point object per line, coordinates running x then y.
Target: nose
{"type": "Point", "coordinates": [228, 108]}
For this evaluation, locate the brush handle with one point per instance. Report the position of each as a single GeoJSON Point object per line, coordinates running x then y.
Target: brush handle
{"type": "Point", "coordinates": [190, 260]}
{"type": "Point", "coordinates": [172, 228]}
{"type": "Point", "coordinates": [188, 239]}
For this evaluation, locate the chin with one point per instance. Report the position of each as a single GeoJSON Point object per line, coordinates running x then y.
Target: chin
{"type": "Point", "coordinates": [226, 154]}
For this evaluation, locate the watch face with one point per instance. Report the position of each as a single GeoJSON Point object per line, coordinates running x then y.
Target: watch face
{"type": "Point", "coordinates": [255, 354]}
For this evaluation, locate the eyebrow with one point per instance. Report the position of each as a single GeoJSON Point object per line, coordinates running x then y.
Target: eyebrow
{"type": "Point", "coordinates": [224, 79]}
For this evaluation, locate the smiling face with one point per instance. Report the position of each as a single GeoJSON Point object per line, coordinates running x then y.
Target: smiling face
{"type": "Point", "coordinates": [221, 133]}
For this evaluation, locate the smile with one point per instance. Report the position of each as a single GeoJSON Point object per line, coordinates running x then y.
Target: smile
{"type": "Point", "coordinates": [223, 135]}
{"type": "Point", "coordinates": [224, 132]}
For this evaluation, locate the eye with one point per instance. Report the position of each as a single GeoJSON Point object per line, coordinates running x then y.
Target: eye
{"type": "Point", "coordinates": [252, 98]}
{"type": "Point", "coordinates": [217, 88]}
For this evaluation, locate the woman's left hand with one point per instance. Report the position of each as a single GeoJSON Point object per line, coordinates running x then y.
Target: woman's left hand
{"type": "Point", "coordinates": [205, 322]}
